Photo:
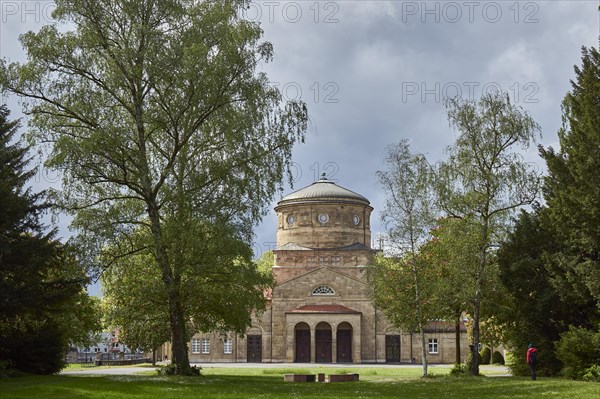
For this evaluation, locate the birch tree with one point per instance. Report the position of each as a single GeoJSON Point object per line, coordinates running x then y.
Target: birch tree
{"type": "Point", "coordinates": [400, 284]}
{"type": "Point", "coordinates": [484, 180]}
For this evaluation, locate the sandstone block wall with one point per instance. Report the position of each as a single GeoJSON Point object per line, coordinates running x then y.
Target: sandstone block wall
{"type": "Point", "coordinates": [338, 231]}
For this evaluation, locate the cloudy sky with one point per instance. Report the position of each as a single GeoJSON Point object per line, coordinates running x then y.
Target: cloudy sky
{"type": "Point", "coordinates": [375, 72]}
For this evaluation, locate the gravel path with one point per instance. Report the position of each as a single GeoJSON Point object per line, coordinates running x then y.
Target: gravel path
{"type": "Point", "coordinates": [499, 371]}
{"type": "Point", "coordinates": [120, 370]}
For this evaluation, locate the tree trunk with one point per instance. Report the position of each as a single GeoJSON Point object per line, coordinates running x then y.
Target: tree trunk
{"type": "Point", "coordinates": [412, 355]}
{"type": "Point", "coordinates": [177, 321]}
{"type": "Point", "coordinates": [474, 370]}
{"type": "Point", "coordinates": [419, 311]}
{"type": "Point", "coordinates": [457, 337]}
{"type": "Point", "coordinates": [423, 351]}
{"type": "Point", "coordinates": [171, 284]}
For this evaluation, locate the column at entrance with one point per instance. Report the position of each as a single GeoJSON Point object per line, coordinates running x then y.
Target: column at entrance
{"type": "Point", "coordinates": [313, 346]}
{"type": "Point", "coordinates": [334, 344]}
{"type": "Point", "coordinates": [289, 343]}
{"type": "Point", "coordinates": [356, 345]}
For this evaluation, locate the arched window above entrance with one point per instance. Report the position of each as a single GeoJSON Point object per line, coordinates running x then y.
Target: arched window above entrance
{"type": "Point", "coordinates": [323, 290]}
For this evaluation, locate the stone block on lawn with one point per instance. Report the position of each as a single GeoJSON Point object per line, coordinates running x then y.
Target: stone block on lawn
{"type": "Point", "coordinates": [343, 377]}
{"type": "Point", "coordinates": [299, 378]}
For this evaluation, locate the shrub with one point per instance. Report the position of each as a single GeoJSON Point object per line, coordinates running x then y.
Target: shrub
{"type": "Point", "coordinates": [37, 348]}
{"type": "Point", "coordinates": [592, 373]}
{"type": "Point", "coordinates": [170, 369]}
{"type": "Point", "coordinates": [497, 358]}
{"type": "Point", "coordinates": [579, 350]}
{"type": "Point", "coordinates": [7, 370]}
{"type": "Point", "coordinates": [516, 363]}
{"type": "Point", "coordinates": [459, 369]}
{"type": "Point", "coordinates": [486, 355]}
{"type": "Point", "coordinates": [548, 365]}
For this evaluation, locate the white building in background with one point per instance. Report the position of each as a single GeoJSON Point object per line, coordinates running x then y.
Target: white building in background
{"type": "Point", "coordinates": [107, 345]}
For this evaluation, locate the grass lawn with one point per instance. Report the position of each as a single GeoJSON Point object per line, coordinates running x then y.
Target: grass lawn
{"type": "Point", "coordinates": [380, 383]}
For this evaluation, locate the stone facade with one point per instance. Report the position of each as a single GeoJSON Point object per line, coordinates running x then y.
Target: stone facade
{"type": "Point", "coordinates": [339, 230]}
{"type": "Point", "coordinates": [320, 309]}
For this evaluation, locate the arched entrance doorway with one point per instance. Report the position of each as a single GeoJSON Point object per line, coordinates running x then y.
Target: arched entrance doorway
{"type": "Point", "coordinates": [323, 342]}
{"type": "Point", "coordinates": [302, 333]}
{"type": "Point", "coordinates": [344, 343]}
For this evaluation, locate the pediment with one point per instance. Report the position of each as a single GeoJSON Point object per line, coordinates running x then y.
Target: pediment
{"type": "Point", "coordinates": [303, 287]}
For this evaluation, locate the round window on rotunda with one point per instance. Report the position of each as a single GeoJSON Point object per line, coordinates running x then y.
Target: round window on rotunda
{"type": "Point", "coordinates": [291, 219]}
{"type": "Point", "coordinates": [323, 218]}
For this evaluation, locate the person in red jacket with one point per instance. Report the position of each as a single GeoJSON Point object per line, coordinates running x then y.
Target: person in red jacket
{"type": "Point", "coordinates": [532, 360]}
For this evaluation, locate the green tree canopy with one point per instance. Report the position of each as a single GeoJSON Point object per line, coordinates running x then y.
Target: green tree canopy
{"type": "Point", "coordinates": [453, 244]}
{"type": "Point", "coordinates": [393, 282]}
{"type": "Point", "coordinates": [265, 262]}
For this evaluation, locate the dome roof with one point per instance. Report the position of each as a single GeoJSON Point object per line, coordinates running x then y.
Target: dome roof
{"type": "Point", "coordinates": [323, 190]}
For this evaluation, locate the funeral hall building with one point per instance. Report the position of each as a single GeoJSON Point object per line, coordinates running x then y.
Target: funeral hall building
{"type": "Point", "coordinates": [320, 310]}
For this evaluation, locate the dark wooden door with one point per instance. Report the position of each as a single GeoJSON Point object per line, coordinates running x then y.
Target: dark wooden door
{"type": "Point", "coordinates": [254, 351]}
{"type": "Point", "coordinates": [323, 343]}
{"type": "Point", "coordinates": [303, 346]}
{"type": "Point", "coordinates": [344, 346]}
{"type": "Point", "coordinates": [392, 348]}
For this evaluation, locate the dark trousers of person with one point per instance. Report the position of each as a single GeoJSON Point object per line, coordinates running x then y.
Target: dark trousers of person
{"type": "Point", "coordinates": [532, 369]}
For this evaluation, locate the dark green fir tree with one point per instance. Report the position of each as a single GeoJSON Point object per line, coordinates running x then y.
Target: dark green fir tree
{"type": "Point", "coordinates": [39, 281]}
